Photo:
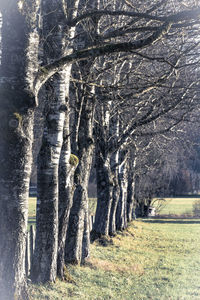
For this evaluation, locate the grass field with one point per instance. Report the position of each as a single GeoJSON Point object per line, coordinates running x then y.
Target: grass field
{"type": "Point", "coordinates": [178, 206]}
{"type": "Point", "coordinates": [31, 211]}
{"type": "Point", "coordinates": [156, 259]}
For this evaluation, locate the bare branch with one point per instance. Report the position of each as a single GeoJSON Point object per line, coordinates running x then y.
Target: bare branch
{"type": "Point", "coordinates": [181, 16]}
{"type": "Point", "coordinates": [47, 71]}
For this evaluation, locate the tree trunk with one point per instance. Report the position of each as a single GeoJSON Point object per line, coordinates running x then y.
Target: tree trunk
{"type": "Point", "coordinates": [77, 242]}
{"type": "Point", "coordinates": [131, 197]}
{"type": "Point", "coordinates": [86, 236]}
{"type": "Point", "coordinates": [73, 249]}
{"type": "Point", "coordinates": [116, 192]}
{"type": "Point", "coordinates": [107, 164]}
{"type": "Point", "coordinates": [121, 216]}
{"type": "Point", "coordinates": [45, 258]}
{"type": "Point", "coordinates": [104, 196]}
{"type": "Point", "coordinates": [14, 187]}
{"type": "Point", "coordinates": [77, 247]}
{"type": "Point", "coordinates": [67, 167]}
{"type": "Point", "coordinates": [46, 250]}
{"type": "Point", "coordinates": [68, 162]}
{"type": "Point", "coordinates": [114, 161]}
{"type": "Point", "coordinates": [103, 172]}
{"type": "Point", "coordinates": [78, 234]}
{"type": "Point", "coordinates": [44, 266]}
{"type": "Point", "coordinates": [18, 68]}
{"type": "Point", "coordinates": [115, 200]}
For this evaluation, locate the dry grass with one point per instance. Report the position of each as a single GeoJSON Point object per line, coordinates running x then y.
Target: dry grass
{"type": "Point", "coordinates": [108, 266]}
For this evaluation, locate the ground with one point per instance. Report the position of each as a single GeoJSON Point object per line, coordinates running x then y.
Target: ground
{"type": "Point", "coordinates": [155, 259]}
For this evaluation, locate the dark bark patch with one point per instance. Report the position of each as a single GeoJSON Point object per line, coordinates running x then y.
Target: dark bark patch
{"type": "Point", "coordinates": [16, 100]}
{"type": "Point", "coordinates": [63, 108]}
{"type": "Point", "coordinates": [13, 123]}
{"type": "Point", "coordinates": [15, 120]}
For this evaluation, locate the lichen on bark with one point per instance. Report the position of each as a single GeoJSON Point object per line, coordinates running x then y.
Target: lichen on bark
{"type": "Point", "coordinates": [73, 160]}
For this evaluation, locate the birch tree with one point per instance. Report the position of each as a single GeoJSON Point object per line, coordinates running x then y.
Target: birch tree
{"type": "Point", "coordinates": [131, 202]}
{"type": "Point", "coordinates": [78, 234]}
{"type": "Point", "coordinates": [57, 89]}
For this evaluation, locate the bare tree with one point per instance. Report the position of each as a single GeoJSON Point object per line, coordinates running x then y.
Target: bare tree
{"type": "Point", "coordinates": [83, 100]}
{"type": "Point", "coordinates": [57, 43]}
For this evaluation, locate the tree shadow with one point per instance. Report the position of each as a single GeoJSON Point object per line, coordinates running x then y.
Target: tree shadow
{"type": "Point", "coordinates": [172, 221]}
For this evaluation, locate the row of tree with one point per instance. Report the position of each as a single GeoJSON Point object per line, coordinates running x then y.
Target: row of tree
{"type": "Point", "coordinates": [109, 81]}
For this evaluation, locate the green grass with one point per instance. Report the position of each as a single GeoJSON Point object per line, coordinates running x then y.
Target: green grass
{"type": "Point", "coordinates": [32, 207]}
{"type": "Point", "coordinates": [178, 206]}
{"type": "Point", "coordinates": [92, 205]}
{"type": "Point", "coordinates": [31, 211]}
{"type": "Point", "coordinates": [153, 259]}
{"type": "Point", "coordinates": [156, 259]}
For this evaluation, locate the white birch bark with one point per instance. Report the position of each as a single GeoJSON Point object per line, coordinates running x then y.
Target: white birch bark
{"type": "Point", "coordinates": [67, 166]}
{"type": "Point", "coordinates": [121, 215]}
{"type": "Point", "coordinates": [114, 128]}
{"type": "Point", "coordinates": [77, 242]}
{"type": "Point", "coordinates": [50, 239]}
{"type": "Point", "coordinates": [45, 257]}
{"type": "Point", "coordinates": [131, 202]}
{"type": "Point", "coordinates": [78, 234]}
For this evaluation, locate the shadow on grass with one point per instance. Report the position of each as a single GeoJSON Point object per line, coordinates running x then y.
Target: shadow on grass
{"type": "Point", "coordinates": [32, 220]}
{"type": "Point", "coordinates": [172, 221]}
